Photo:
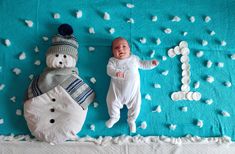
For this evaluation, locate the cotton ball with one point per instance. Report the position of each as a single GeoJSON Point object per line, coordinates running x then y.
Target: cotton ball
{"type": "Point", "coordinates": [212, 33]}
{"type": "Point", "coordinates": [154, 18]}
{"type": "Point", "coordinates": [130, 20]}
{"type": "Point", "coordinates": [184, 109]}
{"type": "Point", "coordinates": [143, 125]}
{"type": "Point", "coordinates": [172, 127]}
{"type": "Point", "coordinates": [200, 123]}
{"type": "Point", "coordinates": [31, 76]}
{"type": "Point", "coordinates": [106, 16]}
{"type": "Point", "coordinates": [0, 69]}
{"type": "Point", "coordinates": [165, 73]}
{"type": "Point", "coordinates": [207, 19]}
{"type": "Point", "coordinates": [37, 62]}
{"type": "Point", "coordinates": [158, 41]}
{"type": "Point", "coordinates": [2, 86]}
{"type": "Point", "coordinates": [157, 86]}
{"type": "Point", "coordinates": [45, 38]}
{"type": "Point", "coordinates": [185, 33]}
{"type": "Point", "coordinates": [199, 54]}
{"type": "Point", "coordinates": [13, 99]}
{"type": "Point", "coordinates": [164, 58]}
{"type": "Point", "coordinates": [228, 84]}
{"type": "Point", "coordinates": [93, 80]}
{"type": "Point", "coordinates": [92, 127]}
{"type": "Point", "coordinates": [17, 71]}
{"type": "Point", "coordinates": [29, 23]}
{"type": "Point", "coordinates": [225, 113]}
{"type": "Point", "coordinates": [223, 43]}
{"type": "Point", "coordinates": [209, 101]}
{"type": "Point", "coordinates": [18, 112]}
{"type": "Point", "coordinates": [232, 56]}
{"type": "Point", "coordinates": [91, 30]}
{"type": "Point", "coordinates": [56, 16]}
{"type": "Point", "coordinates": [152, 53]}
{"type": "Point", "coordinates": [91, 48]}
{"type": "Point", "coordinates": [158, 109]}
{"type": "Point", "coordinates": [95, 104]}
{"type": "Point", "coordinates": [176, 19]}
{"type": "Point", "coordinates": [1, 121]}
{"type": "Point", "coordinates": [111, 30]}
{"type": "Point", "coordinates": [209, 64]}
{"type": "Point", "coordinates": [167, 30]}
{"type": "Point", "coordinates": [7, 42]}
{"type": "Point", "coordinates": [79, 14]}
{"type": "Point", "coordinates": [204, 42]}
{"type": "Point", "coordinates": [220, 64]}
{"type": "Point", "coordinates": [148, 97]}
{"type": "Point", "coordinates": [196, 84]}
{"type": "Point", "coordinates": [22, 56]}
{"type": "Point", "coordinates": [143, 40]}
{"type": "Point", "coordinates": [210, 79]}
{"type": "Point", "coordinates": [36, 49]}
{"type": "Point", "coordinates": [130, 6]}
{"type": "Point", "coordinates": [192, 19]}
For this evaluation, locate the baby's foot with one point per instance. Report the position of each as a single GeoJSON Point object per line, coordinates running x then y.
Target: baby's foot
{"type": "Point", "coordinates": [132, 126]}
{"type": "Point", "coordinates": [111, 122]}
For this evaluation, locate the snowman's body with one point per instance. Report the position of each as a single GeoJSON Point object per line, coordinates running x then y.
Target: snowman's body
{"type": "Point", "coordinates": [58, 99]}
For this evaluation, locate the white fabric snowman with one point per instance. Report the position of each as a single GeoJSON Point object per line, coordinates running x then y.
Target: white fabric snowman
{"type": "Point", "coordinates": [58, 99]}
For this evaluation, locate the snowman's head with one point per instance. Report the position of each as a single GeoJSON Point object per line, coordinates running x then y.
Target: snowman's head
{"type": "Point", "coordinates": [60, 61]}
{"type": "Point", "coordinates": [63, 51]}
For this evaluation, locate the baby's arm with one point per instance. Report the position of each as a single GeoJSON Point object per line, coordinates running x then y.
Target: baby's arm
{"type": "Point", "coordinates": [112, 71]}
{"type": "Point", "coordinates": [147, 64]}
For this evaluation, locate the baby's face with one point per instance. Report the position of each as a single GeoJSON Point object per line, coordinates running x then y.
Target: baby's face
{"type": "Point", "coordinates": [121, 49]}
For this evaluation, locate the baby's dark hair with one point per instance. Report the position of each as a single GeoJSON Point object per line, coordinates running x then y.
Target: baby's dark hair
{"type": "Point", "coordinates": [119, 38]}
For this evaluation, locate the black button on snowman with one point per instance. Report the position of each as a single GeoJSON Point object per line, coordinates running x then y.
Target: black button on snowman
{"type": "Point", "coordinates": [58, 99]}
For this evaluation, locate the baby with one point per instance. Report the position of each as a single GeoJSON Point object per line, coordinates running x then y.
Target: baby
{"type": "Point", "coordinates": [124, 87]}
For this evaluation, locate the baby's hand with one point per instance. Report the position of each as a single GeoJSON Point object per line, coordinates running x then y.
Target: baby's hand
{"type": "Point", "coordinates": [120, 74]}
{"type": "Point", "coordinates": [155, 62]}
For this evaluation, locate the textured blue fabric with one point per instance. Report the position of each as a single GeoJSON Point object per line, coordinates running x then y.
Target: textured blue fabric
{"type": "Point", "coordinates": [93, 64]}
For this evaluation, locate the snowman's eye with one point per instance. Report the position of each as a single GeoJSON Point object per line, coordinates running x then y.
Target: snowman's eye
{"type": "Point", "coordinates": [65, 56]}
{"type": "Point", "coordinates": [57, 55]}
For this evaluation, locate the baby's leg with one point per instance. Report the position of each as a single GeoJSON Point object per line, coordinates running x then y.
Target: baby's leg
{"type": "Point", "coordinates": [114, 113]}
{"type": "Point", "coordinates": [133, 111]}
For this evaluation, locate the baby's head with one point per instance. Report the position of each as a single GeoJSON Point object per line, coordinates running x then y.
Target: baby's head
{"type": "Point", "coordinates": [120, 48]}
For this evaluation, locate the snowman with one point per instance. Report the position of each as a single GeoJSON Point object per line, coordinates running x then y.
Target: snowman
{"type": "Point", "coordinates": [58, 99]}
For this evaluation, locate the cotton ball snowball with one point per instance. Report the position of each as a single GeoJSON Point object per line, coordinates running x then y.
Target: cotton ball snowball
{"type": "Point", "coordinates": [210, 79]}
{"type": "Point", "coordinates": [1, 121]}
{"type": "Point", "coordinates": [209, 101]}
{"type": "Point", "coordinates": [79, 14]}
{"type": "Point", "coordinates": [154, 18]}
{"type": "Point", "coordinates": [29, 23]}
{"type": "Point", "coordinates": [143, 125]}
{"type": "Point", "coordinates": [148, 97]}
{"type": "Point", "coordinates": [225, 113]}
{"type": "Point", "coordinates": [92, 127]}
{"type": "Point", "coordinates": [200, 123]}
{"type": "Point", "coordinates": [158, 109]}
{"type": "Point", "coordinates": [228, 84]}
{"type": "Point", "coordinates": [7, 42]}
{"type": "Point", "coordinates": [106, 16]}
{"type": "Point", "coordinates": [2, 86]}
{"type": "Point", "coordinates": [22, 56]}
{"type": "Point", "coordinates": [167, 30]}
{"type": "Point", "coordinates": [172, 126]}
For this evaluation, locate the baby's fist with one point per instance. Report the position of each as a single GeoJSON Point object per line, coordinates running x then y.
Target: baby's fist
{"type": "Point", "coordinates": [120, 74]}
{"type": "Point", "coordinates": [155, 62]}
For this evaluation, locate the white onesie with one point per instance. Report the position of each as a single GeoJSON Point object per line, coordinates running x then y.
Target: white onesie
{"type": "Point", "coordinates": [125, 91]}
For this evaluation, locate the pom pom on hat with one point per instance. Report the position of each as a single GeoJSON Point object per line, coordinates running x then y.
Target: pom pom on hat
{"type": "Point", "coordinates": [64, 42]}
{"type": "Point", "coordinates": [65, 30]}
